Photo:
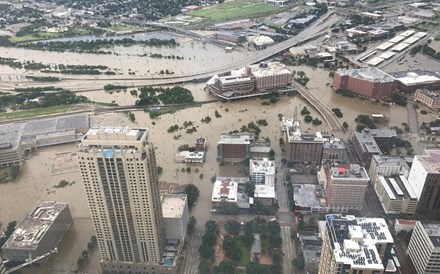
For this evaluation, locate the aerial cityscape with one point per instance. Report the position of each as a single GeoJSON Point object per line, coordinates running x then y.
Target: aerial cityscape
{"type": "Point", "coordinates": [229, 136]}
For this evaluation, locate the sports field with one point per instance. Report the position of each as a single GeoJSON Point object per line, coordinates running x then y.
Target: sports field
{"type": "Point", "coordinates": [235, 10]}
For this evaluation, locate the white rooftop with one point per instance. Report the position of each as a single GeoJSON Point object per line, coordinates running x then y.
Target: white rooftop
{"type": "Point", "coordinates": [225, 190]}
{"type": "Point", "coordinates": [173, 205]}
{"type": "Point", "coordinates": [264, 191]}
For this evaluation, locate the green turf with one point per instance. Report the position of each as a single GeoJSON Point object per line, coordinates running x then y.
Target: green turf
{"type": "Point", "coordinates": [245, 254]}
{"type": "Point", "coordinates": [34, 37]}
{"type": "Point", "coordinates": [234, 10]}
{"type": "Point", "coordinates": [28, 113]}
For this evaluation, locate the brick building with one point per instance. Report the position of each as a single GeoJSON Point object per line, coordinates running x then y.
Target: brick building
{"type": "Point", "coordinates": [370, 82]}
{"type": "Point", "coordinates": [234, 147]}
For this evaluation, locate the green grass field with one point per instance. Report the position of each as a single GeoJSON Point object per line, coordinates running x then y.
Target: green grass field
{"type": "Point", "coordinates": [34, 37]}
{"type": "Point", "coordinates": [245, 255]}
{"type": "Point", "coordinates": [235, 10]}
{"type": "Point", "coordinates": [28, 113]}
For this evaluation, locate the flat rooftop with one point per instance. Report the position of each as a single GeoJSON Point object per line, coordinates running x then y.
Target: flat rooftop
{"type": "Point", "coordinates": [352, 171]}
{"type": "Point", "coordinates": [354, 239]}
{"type": "Point", "coordinates": [397, 188]}
{"type": "Point", "coordinates": [173, 205]}
{"type": "Point", "coordinates": [264, 191]}
{"type": "Point", "coordinates": [236, 139]}
{"type": "Point", "coordinates": [416, 77]}
{"type": "Point", "coordinates": [262, 166]}
{"type": "Point", "coordinates": [115, 133]}
{"type": "Point", "coordinates": [432, 229]}
{"type": "Point", "coordinates": [430, 160]}
{"type": "Point", "coordinates": [435, 94]}
{"type": "Point", "coordinates": [294, 134]}
{"type": "Point", "coordinates": [370, 74]}
{"type": "Point", "coordinates": [12, 133]}
{"type": "Point", "coordinates": [31, 229]}
{"type": "Point", "coordinates": [272, 68]}
{"type": "Point", "coordinates": [334, 144]}
{"type": "Point", "coordinates": [305, 196]}
{"type": "Point", "coordinates": [224, 190]}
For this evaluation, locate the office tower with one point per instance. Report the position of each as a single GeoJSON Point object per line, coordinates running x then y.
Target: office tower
{"type": "Point", "coordinates": [354, 245]}
{"type": "Point", "coordinates": [118, 167]}
{"type": "Point", "coordinates": [424, 178]}
{"type": "Point", "coordinates": [424, 247]}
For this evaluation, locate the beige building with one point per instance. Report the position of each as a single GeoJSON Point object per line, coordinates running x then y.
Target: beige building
{"type": "Point", "coordinates": [302, 147]}
{"type": "Point", "coordinates": [424, 247]}
{"type": "Point", "coordinates": [383, 165]}
{"type": "Point", "coordinates": [396, 195]}
{"type": "Point", "coordinates": [429, 98]}
{"type": "Point", "coordinates": [118, 167]}
{"type": "Point", "coordinates": [346, 187]}
{"type": "Point", "coordinates": [353, 245]}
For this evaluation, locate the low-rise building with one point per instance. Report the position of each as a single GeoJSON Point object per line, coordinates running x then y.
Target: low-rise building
{"type": "Point", "coordinates": [224, 191]}
{"type": "Point", "coordinates": [262, 172]}
{"type": "Point", "coordinates": [366, 143]}
{"type": "Point", "coordinates": [346, 187]}
{"type": "Point", "coordinates": [334, 151]}
{"type": "Point", "coordinates": [370, 82]}
{"type": "Point", "coordinates": [384, 165]}
{"type": "Point", "coordinates": [309, 198]}
{"type": "Point", "coordinates": [311, 246]}
{"type": "Point", "coordinates": [404, 225]}
{"type": "Point", "coordinates": [231, 37]}
{"type": "Point", "coordinates": [234, 147]}
{"type": "Point", "coordinates": [265, 194]}
{"type": "Point", "coordinates": [411, 80]}
{"type": "Point", "coordinates": [424, 247]}
{"type": "Point", "coordinates": [201, 144]}
{"type": "Point", "coordinates": [39, 232]}
{"type": "Point", "coordinates": [175, 216]}
{"type": "Point", "coordinates": [355, 245]}
{"type": "Point", "coordinates": [427, 97]}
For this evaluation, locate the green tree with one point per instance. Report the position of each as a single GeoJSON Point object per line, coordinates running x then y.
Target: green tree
{"type": "Point", "coordinates": [298, 263]}
{"type": "Point", "coordinates": [192, 224]}
{"type": "Point", "coordinates": [345, 125]}
{"type": "Point", "coordinates": [225, 267]}
{"type": "Point", "coordinates": [211, 226]}
{"type": "Point", "coordinates": [308, 119]}
{"type": "Point", "coordinates": [192, 193]}
{"type": "Point", "coordinates": [274, 228]}
{"type": "Point", "coordinates": [231, 248]}
{"type": "Point", "coordinates": [256, 268]}
{"type": "Point", "coordinates": [271, 154]}
{"type": "Point", "coordinates": [249, 189]}
{"type": "Point", "coordinates": [205, 266]}
{"type": "Point", "coordinates": [233, 227]}
{"type": "Point", "coordinates": [305, 111]}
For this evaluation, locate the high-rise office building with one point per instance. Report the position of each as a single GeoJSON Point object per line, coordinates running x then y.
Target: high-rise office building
{"type": "Point", "coordinates": [424, 247]}
{"type": "Point", "coordinates": [118, 167]}
{"type": "Point", "coordinates": [354, 245]}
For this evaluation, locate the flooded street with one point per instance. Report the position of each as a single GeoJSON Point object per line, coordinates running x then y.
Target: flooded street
{"type": "Point", "coordinates": [36, 183]}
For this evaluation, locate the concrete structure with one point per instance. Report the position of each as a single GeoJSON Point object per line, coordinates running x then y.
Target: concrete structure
{"type": "Point", "coordinates": [234, 147]}
{"type": "Point", "coordinates": [334, 151]}
{"type": "Point", "coordinates": [175, 216]}
{"type": "Point", "coordinates": [39, 232]}
{"type": "Point", "coordinates": [260, 150]}
{"type": "Point", "coordinates": [190, 157]}
{"type": "Point", "coordinates": [396, 195]}
{"type": "Point", "coordinates": [424, 178]}
{"type": "Point", "coordinates": [224, 191]}
{"type": "Point", "coordinates": [424, 247]}
{"type": "Point", "coordinates": [253, 80]}
{"type": "Point", "coordinates": [201, 144]}
{"type": "Point", "coordinates": [309, 198]}
{"type": "Point", "coordinates": [19, 136]}
{"type": "Point", "coordinates": [411, 80]}
{"type": "Point", "coordinates": [265, 194]}
{"type": "Point", "coordinates": [262, 172]}
{"type": "Point", "coordinates": [231, 37]}
{"type": "Point", "coordinates": [346, 187]}
{"type": "Point", "coordinates": [366, 143]}
{"type": "Point", "coordinates": [429, 98]}
{"type": "Point", "coordinates": [262, 41]}
{"type": "Point", "coordinates": [370, 82]}
{"type": "Point", "coordinates": [383, 165]}
{"type": "Point", "coordinates": [355, 245]}
{"type": "Point", "coordinates": [311, 249]}
{"type": "Point", "coordinates": [404, 225]}
{"type": "Point", "coordinates": [118, 168]}
{"type": "Point", "coordinates": [302, 147]}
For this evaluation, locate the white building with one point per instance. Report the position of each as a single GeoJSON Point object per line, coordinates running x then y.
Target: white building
{"type": "Point", "coordinates": [358, 245]}
{"type": "Point", "coordinates": [264, 194]}
{"type": "Point", "coordinates": [175, 216]}
{"type": "Point", "coordinates": [424, 247]}
{"type": "Point", "coordinates": [424, 179]}
{"type": "Point", "coordinates": [224, 191]}
{"type": "Point", "coordinates": [404, 225]}
{"type": "Point", "coordinates": [263, 172]}
{"type": "Point", "coordinates": [396, 195]}
{"type": "Point", "coordinates": [382, 165]}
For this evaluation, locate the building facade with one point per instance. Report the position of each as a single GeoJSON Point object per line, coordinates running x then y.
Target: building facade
{"type": "Point", "coordinates": [175, 215]}
{"type": "Point", "coordinates": [385, 165]}
{"type": "Point", "coordinates": [118, 168]}
{"type": "Point", "coordinates": [429, 98]}
{"type": "Point", "coordinates": [346, 187]}
{"type": "Point", "coordinates": [39, 232]}
{"type": "Point", "coordinates": [370, 82]}
{"type": "Point", "coordinates": [334, 151]}
{"type": "Point", "coordinates": [302, 148]}
{"type": "Point", "coordinates": [396, 195]}
{"type": "Point", "coordinates": [262, 172]}
{"type": "Point", "coordinates": [424, 178]}
{"type": "Point", "coordinates": [424, 247]}
{"type": "Point", "coordinates": [234, 147]}
{"type": "Point", "coordinates": [355, 245]}
{"type": "Point", "coordinates": [366, 143]}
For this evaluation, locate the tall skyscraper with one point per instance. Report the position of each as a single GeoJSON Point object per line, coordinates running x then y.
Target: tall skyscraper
{"type": "Point", "coordinates": [118, 167]}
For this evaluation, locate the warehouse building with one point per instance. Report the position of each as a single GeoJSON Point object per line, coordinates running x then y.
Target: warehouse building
{"type": "Point", "coordinates": [411, 80]}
